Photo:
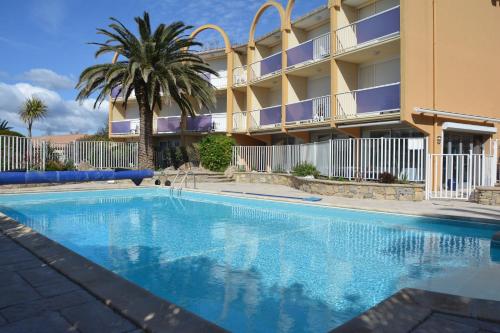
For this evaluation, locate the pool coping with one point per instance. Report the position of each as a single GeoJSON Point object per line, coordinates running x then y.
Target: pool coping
{"type": "Point", "coordinates": [408, 308]}
{"type": "Point", "coordinates": [147, 311]}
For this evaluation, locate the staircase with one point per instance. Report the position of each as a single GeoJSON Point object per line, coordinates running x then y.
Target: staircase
{"type": "Point", "coordinates": [217, 178]}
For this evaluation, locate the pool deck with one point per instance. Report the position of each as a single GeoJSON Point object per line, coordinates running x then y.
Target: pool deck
{"type": "Point", "coordinates": [45, 287]}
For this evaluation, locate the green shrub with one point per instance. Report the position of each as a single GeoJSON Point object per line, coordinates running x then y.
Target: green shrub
{"type": "Point", "coordinates": [387, 178]}
{"type": "Point", "coordinates": [54, 165]}
{"type": "Point", "coordinates": [215, 152]}
{"type": "Point", "coordinates": [305, 169]}
{"type": "Point", "coordinates": [10, 133]}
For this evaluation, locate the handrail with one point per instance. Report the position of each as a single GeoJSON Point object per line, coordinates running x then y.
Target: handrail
{"type": "Point", "coordinates": [369, 88]}
{"type": "Point", "coordinates": [307, 41]}
{"type": "Point", "coordinates": [267, 107]}
{"type": "Point", "coordinates": [272, 55]}
{"type": "Point", "coordinates": [306, 100]}
{"type": "Point", "coordinates": [183, 181]}
{"type": "Point", "coordinates": [367, 18]}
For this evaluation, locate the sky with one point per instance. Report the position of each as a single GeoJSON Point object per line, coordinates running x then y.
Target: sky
{"type": "Point", "coordinates": [43, 48]}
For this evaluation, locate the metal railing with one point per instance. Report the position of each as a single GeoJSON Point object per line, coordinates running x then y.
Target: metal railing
{"type": "Point", "coordinates": [316, 109]}
{"type": "Point", "coordinates": [372, 29]}
{"type": "Point", "coordinates": [240, 75]}
{"type": "Point", "coordinates": [125, 127]}
{"type": "Point", "coordinates": [355, 159]}
{"type": "Point", "coordinates": [368, 101]}
{"type": "Point", "coordinates": [183, 182]}
{"type": "Point", "coordinates": [170, 124]}
{"type": "Point", "coordinates": [219, 82]}
{"type": "Point", "coordinates": [219, 122]}
{"type": "Point", "coordinates": [240, 121]}
{"type": "Point", "coordinates": [269, 117]}
{"type": "Point", "coordinates": [312, 50]}
{"type": "Point", "coordinates": [265, 67]}
{"type": "Point", "coordinates": [18, 153]}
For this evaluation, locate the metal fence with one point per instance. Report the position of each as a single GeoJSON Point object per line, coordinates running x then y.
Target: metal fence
{"type": "Point", "coordinates": [19, 153]}
{"type": "Point", "coordinates": [359, 159]}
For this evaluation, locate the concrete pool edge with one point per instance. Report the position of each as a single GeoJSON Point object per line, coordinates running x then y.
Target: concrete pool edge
{"type": "Point", "coordinates": [131, 301]}
{"type": "Point", "coordinates": [410, 309]}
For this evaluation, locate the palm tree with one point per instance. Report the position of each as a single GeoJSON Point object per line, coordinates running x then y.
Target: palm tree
{"type": "Point", "coordinates": [155, 65]}
{"type": "Point", "coordinates": [32, 109]}
{"type": "Point", "coordinates": [4, 125]}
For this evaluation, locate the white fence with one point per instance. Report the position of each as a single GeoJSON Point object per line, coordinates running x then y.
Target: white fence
{"type": "Point", "coordinates": [18, 153]}
{"type": "Point", "coordinates": [455, 176]}
{"type": "Point", "coordinates": [359, 159]}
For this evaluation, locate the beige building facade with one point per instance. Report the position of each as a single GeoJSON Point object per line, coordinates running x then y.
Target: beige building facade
{"type": "Point", "coordinates": [351, 68]}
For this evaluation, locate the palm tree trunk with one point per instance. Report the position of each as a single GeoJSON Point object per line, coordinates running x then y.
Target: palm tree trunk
{"type": "Point", "coordinates": [29, 130]}
{"type": "Point", "coordinates": [146, 147]}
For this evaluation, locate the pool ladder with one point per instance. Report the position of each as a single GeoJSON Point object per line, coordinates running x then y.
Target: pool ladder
{"type": "Point", "coordinates": [183, 181]}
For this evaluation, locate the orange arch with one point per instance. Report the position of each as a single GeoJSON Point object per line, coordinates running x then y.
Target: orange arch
{"type": "Point", "coordinates": [288, 13]}
{"type": "Point", "coordinates": [260, 11]}
{"type": "Point", "coordinates": [227, 43]}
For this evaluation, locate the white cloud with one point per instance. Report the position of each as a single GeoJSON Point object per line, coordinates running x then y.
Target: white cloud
{"type": "Point", "coordinates": [63, 116]}
{"type": "Point", "coordinates": [47, 78]}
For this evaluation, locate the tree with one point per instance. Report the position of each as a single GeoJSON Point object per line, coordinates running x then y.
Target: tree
{"type": "Point", "coordinates": [4, 125]}
{"type": "Point", "coordinates": [156, 65]}
{"type": "Point", "coordinates": [32, 109]}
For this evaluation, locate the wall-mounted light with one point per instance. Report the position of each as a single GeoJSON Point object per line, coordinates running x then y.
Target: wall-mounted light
{"type": "Point", "coordinates": [438, 139]}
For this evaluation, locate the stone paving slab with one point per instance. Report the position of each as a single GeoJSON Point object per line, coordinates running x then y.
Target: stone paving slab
{"type": "Point", "coordinates": [36, 298]}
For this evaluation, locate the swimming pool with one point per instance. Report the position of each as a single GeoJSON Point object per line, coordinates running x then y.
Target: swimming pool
{"type": "Point", "coordinates": [262, 266]}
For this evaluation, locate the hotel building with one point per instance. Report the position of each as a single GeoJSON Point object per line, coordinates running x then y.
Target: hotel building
{"type": "Point", "coordinates": [351, 68]}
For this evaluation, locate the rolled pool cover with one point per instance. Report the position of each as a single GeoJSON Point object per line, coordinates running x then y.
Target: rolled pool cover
{"type": "Point", "coordinates": [37, 177]}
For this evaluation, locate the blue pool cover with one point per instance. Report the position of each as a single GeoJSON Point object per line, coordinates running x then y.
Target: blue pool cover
{"type": "Point", "coordinates": [36, 177]}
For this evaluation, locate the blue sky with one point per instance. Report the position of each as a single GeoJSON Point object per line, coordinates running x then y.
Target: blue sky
{"type": "Point", "coordinates": [43, 47]}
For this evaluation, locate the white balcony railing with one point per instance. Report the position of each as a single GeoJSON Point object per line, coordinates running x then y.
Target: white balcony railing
{"type": "Point", "coordinates": [265, 67]}
{"type": "Point", "coordinates": [310, 51]}
{"type": "Point", "coordinates": [219, 122]}
{"type": "Point", "coordinates": [368, 101]}
{"type": "Point", "coordinates": [269, 117]}
{"type": "Point", "coordinates": [219, 82]}
{"type": "Point", "coordinates": [125, 127]}
{"type": "Point", "coordinates": [316, 109]}
{"type": "Point", "coordinates": [240, 75]}
{"type": "Point", "coordinates": [240, 121]}
{"type": "Point", "coordinates": [369, 30]}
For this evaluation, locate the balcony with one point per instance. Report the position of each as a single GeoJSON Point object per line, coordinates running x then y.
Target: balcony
{"type": "Point", "coordinates": [265, 118]}
{"type": "Point", "coordinates": [313, 110]}
{"type": "Point", "coordinates": [115, 93]}
{"type": "Point", "coordinates": [240, 76]}
{"type": "Point", "coordinates": [370, 30]}
{"type": "Point", "coordinates": [266, 67]}
{"type": "Point", "coordinates": [313, 50]}
{"type": "Point", "coordinates": [165, 125]}
{"type": "Point", "coordinates": [125, 127]}
{"type": "Point", "coordinates": [369, 101]}
{"type": "Point", "coordinates": [215, 122]}
{"type": "Point", "coordinates": [240, 121]}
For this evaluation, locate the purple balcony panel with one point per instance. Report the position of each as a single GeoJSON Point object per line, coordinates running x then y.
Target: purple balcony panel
{"type": "Point", "coordinates": [202, 123]}
{"type": "Point", "coordinates": [271, 64]}
{"type": "Point", "coordinates": [115, 91]}
{"type": "Point", "coordinates": [168, 125]}
{"type": "Point", "coordinates": [378, 99]}
{"type": "Point", "coordinates": [120, 127]}
{"type": "Point", "coordinates": [270, 116]}
{"type": "Point", "coordinates": [378, 26]}
{"type": "Point", "coordinates": [299, 111]}
{"type": "Point", "coordinates": [300, 54]}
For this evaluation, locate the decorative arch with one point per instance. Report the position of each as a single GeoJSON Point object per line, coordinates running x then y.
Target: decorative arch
{"type": "Point", "coordinates": [260, 11]}
{"type": "Point", "coordinates": [288, 13]}
{"type": "Point", "coordinates": [227, 43]}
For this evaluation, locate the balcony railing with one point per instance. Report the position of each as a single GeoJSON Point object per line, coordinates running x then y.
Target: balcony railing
{"type": "Point", "coordinates": [266, 67]}
{"type": "Point", "coordinates": [240, 75]}
{"type": "Point", "coordinates": [266, 118]}
{"type": "Point", "coordinates": [170, 124]}
{"type": "Point", "coordinates": [369, 30]}
{"type": "Point", "coordinates": [369, 101]}
{"type": "Point", "coordinates": [207, 123]}
{"type": "Point", "coordinates": [316, 109]}
{"type": "Point", "coordinates": [219, 122]}
{"type": "Point", "coordinates": [240, 121]}
{"type": "Point", "coordinates": [313, 50]}
{"type": "Point", "coordinates": [125, 127]}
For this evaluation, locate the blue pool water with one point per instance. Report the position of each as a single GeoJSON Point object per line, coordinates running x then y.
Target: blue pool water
{"type": "Point", "coordinates": [255, 265]}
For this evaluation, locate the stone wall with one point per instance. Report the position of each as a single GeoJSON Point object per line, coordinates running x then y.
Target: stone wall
{"type": "Point", "coordinates": [364, 190]}
{"type": "Point", "coordinates": [488, 196]}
